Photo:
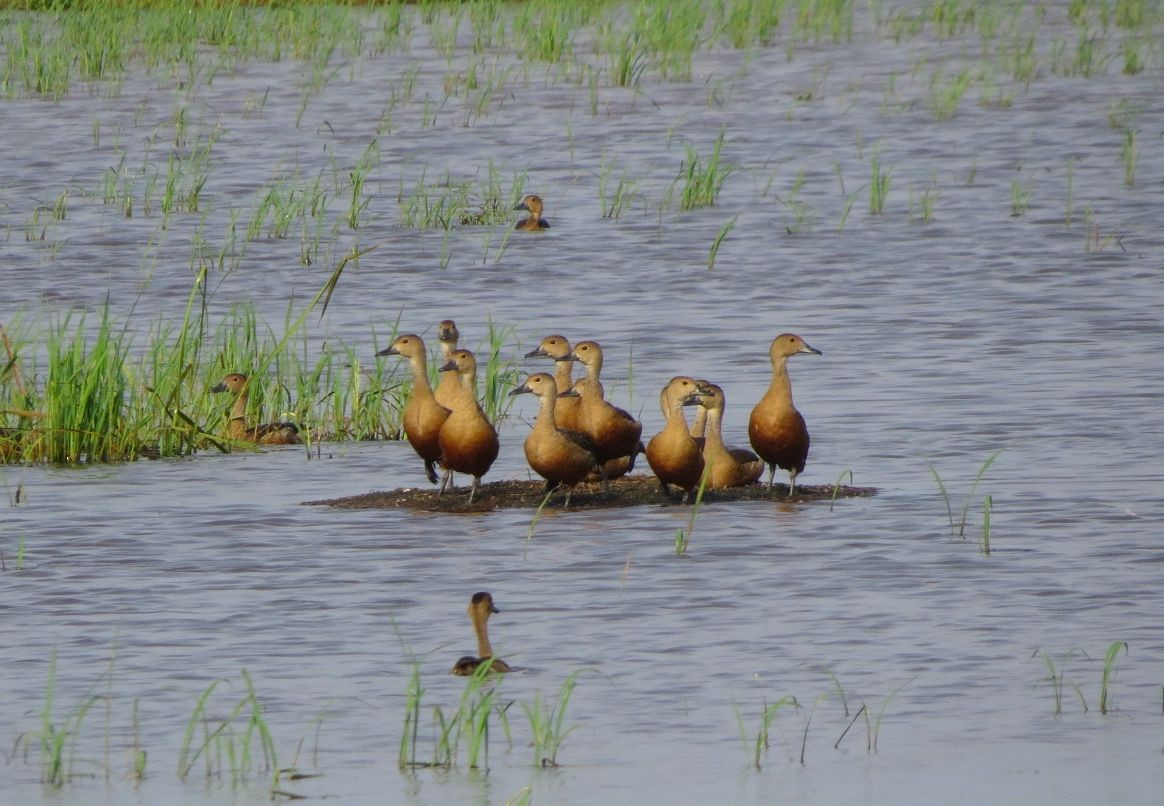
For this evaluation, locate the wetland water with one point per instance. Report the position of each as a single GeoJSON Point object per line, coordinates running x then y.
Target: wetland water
{"type": "Point", "coordinates": [944, 340]}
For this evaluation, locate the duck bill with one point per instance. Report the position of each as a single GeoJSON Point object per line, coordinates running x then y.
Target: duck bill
{"type": "Point", "coordinates": [389, 351]}
{"type": "Point", "coordinates": [536, 353]}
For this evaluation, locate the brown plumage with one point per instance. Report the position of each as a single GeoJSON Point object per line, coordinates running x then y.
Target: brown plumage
{"type": "Point", "coordinates": [447, 338]}
{"type": "Point", "coordinates": [559, 456]}
{"type": "Point", "coordinates": [532, 204]}
{"type": "Point", "coordinates": [557, 348]}
{"type": "Point", "coordinates": [236, 427]}
{"type": "Point", "coordinates": [423, 416]}
{"type": "Point", "coordinates": [614, 431]}
{"type": "Point", "coordinates": [468, 441]}
{"type": "Point", "coordinates": [672, 453]}
{"type": "Point", "coordinates": [481, 607]}
{"type": "Point", "coordinates": [726, 467]}
{"type": "Point", "coordinates": [776, 429]}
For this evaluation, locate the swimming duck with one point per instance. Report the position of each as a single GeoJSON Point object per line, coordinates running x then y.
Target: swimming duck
{"type": "Point", "coordinates": [447, 338]}
{"type": "Point", "coordinates": [557, 348]}
{"type": "Point", "coordinates": [236, 427]}
{"type": "Point", "coordinates": [614, 431]}
{"type": "Point", "coordinates": [776, 429]}
{"type": "Point", "coordinates": [423, 416]}
{"type": "Point", "coordinates": [468, 440]}
{"type": "Point", "coordinates": [532, 204]}
{"type": "Point", "coordinates": [560, 456]}
{"type": "Point", "coordinates": [672, 453]}
{"type": "Point", "coordinates": [481, 607]}
{"type": "Point", "coordinates": [727, 467]}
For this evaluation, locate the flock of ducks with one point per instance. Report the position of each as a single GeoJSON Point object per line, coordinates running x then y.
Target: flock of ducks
{"type": "Point", "coordinates": [579, 436]}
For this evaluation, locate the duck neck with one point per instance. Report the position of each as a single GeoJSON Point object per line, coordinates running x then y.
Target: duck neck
{"type": "Point", "coordinates": [781, 386]}
{"type": "Point", "coordinates": [545, 418]}
{"type": "Point", "coordinates": [564, 375]}
{"type": "Point", "coordinates": [699, 423]}
{"type": "Point", "coordinates": [237, 425]}
{"type": "Point", "coordinates": [480, 626]}
{"type": "Point", "coordinates": [714, 435]}
{"type": "Point", "coordinates": [676, 419]}
{"type": "Point", "coordinates": [419, 373]}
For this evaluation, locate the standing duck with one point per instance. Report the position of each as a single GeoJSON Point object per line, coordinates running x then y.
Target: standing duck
{"type": "Point", "coordinates": [614, 431]}
{"type": "Point", "coordinates": [236, 428]}
{"type": "Point", "coordinates": [481, 607]}
{"type": "Point", "coordinates": [557, 348]}
{"type": "Point", "coordinates": [727, 467]}
{"type": "Point", "coordinates": [776, 429]}
{"type": "Point", "coordinates": [559, 456]}
{"type": "Point", "coordinates": [673, 453]}
{"type": "Point", "coordinates": [423, 416]}
{"type": "Point", "coordinates": [468, 440]}
{"type": "Point", "coordinates": [534, 222]}
{"type": "Point", "coordinates": [447, 338]}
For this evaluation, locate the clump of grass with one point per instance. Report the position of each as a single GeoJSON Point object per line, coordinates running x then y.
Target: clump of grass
{"type": "Point", "coordinates": [227, 746]}
{"type": "Point", "coordinates": [1020, 197]}
{"type": "Point", "coordinates": [682, 537]}
{"type": "Point", "coordinates": [723, 233]}
{"type": "Point", "coordinates": [1109, 660]}
{"type": "Point", "coordinates": [1056, 677]}
{"type": "Point", "coordinates": [1129, 153]}
{"type": "Point", "coordinates": [57, 742]}
{"type": "Point", "coordinates": [546, 722]}
{"type": "Point", "coordinates": [878, 186]}
{"type": "Point", "coordinates": [756, 748]}
{"type": "Point", "coordinates": [703, 178]}
{"type": "Point", "coordinates": [958, 526]}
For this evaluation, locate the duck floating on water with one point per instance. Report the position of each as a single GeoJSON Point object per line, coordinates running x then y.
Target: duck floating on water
{"type": "Point", "coordinates": [776, 429]}
{"type": "Point", "coordinates": [481, 607]}
{"type": "Point", "coordinates": [531, 203]}
{"type": "Point", "coordinates": [285, 433]}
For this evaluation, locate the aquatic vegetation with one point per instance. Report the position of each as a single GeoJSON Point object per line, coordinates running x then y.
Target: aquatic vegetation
{"type": "Point", "coordinates": [1057, 676]}
{"type": "Point", "coordinates": [55, 742]}
{"type": "Point", "coordinates": [683, 537]}
{"type": "Point", "coordinates": [958, 527]}
{"type": "Point", "coordinates": [1109, 660]}
{"type": "Point", "coordinates": [106, 398]}
{"type": "Point", "coordinates": [757, 748]}
{"type": "Point", "coordinates": [703, 178]}
{"type": "Point", "coordinates": [878, 186]}
{"type": "Point", "coordinates": [227, 747]}
{"type": "Point", "coordinates": [715, 244]}
{"type": "Point", "coordinates": [546, 722]}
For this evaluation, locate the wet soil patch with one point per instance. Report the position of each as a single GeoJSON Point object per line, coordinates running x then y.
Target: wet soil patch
{"type": "Point", "coordinates": [627, 491]}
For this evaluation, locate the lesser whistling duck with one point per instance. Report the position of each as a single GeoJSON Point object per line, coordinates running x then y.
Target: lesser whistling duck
{"type": "Point", "coordinates": [726, 467]}
{"type": "Point", "coordinates": [557, 348]}
{"type": "Point", "coordinates": [614, 431]}
{"type": "Point", "coordinates": [531, 203]}
{"type": "Point", "coordinates": [447, 338]}
{"type": "Point", "coordinates": [672, 453]}
{"type": "Point", "coordinates": [481, 607]}
{"type": "Point", "coordinates": [423, 416]}
{"type": "Point", "coordinates": [236, 426]}
{"type": "Point", "coordinates": [468, 440]}
{"type": "Point", "coordinates": [776, 429]}
{"type": "Point", "coordinates": [560, 456]}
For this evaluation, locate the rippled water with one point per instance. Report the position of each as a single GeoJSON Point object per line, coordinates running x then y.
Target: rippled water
{"type": "Point", "coordinates": [943, 342]}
